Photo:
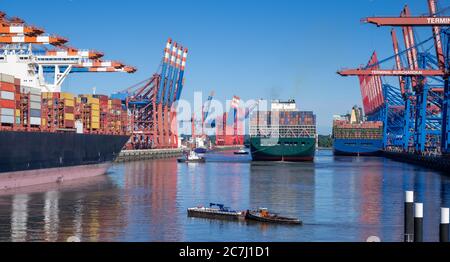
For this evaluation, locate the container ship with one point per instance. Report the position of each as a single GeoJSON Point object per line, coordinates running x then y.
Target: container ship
{"type": "Point", "coordinates": [353, 136]}
{"type": "Point", "coordinates": [49, 136]}
{"type": "Point", "coordinates": [283, 134]}
{"type": "Point", "coordinates": [52, 137]}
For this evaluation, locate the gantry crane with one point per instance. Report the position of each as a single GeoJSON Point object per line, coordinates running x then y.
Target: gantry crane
{"type": "Point", "coordinates": [424, 84]}
{"type": "Point", "coordinates": [32, 56]}
{"type": "Point", "coordinates": [151, 103]}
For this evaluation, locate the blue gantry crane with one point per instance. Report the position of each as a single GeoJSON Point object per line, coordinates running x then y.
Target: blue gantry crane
{"type": "Point", "coordinates": [416, 113]}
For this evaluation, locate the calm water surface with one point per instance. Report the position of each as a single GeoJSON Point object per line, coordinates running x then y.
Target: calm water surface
{"type": "Point", "coordinates": [338, 198]}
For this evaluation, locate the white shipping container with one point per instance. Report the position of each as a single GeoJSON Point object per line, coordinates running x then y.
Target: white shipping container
{"type": "Point", "coordinates": [35, 105]}
{"type": "Point", "coordinates": [6, 112]}
{"type": "Point", "coordinates": [7, 78]}
{"type": "Point", "coordinates": [35, 91]}
{"type": "Point", "coordinates": [35, 121]}
{"type": "Point", "coordinates": [7, 95]}
{"type": "Point", "coordinates": [35, 98]}
{"type": "Point", "coordinates": [7, 119]}
{"type": "Point", "coordinates": [79, 127]}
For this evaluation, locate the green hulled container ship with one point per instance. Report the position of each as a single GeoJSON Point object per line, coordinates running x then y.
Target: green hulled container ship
{"type": "Point", "coordinates": [283, 134]}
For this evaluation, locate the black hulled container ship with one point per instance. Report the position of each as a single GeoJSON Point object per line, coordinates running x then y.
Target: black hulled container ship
{"type": "Point", "coordinates": [55, 137]}
{"type": "Point", "coordinates": [49, 136]}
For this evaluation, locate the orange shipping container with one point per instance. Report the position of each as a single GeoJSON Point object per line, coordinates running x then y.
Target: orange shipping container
{"type": "Point", "coordinates": [69, 102]}
{"type": "Point", "coordinates": [7, 87]}
{"type": "Point", "coordinates": [7, 104]}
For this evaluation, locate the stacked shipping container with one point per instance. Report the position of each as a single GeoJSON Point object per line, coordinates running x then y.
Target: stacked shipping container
{"type": "Point", "coordinates": [7, 100]}
{"type": "Point", "coordinates": [59, 112]}
{"type": "Point", "coordinates": [366, 130]}
{"type": "Point", "coordinates": [283, 118]}
{"type": "Point", "coordinates": [292, 124]}
{"type": "Point", "coordinates": [26, 108]}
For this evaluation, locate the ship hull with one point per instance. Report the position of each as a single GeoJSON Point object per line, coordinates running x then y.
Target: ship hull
{"type": "Point", "coordinates": [357, 147]}
{"type": "Point", "coordinates": [283, 149]}
{"type": "Point", "coordinates": [32, 158]}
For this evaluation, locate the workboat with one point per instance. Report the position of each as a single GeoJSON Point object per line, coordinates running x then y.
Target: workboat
{"type": "Point", "coordinates": [241, 152]}
{"type": "Point", "coordinates": [200, 150]}
{"type": "Point", "coordinates": [192, 157]}
{"type": "Point", "coordinates": [263, 215]}
{"type": "Point", "coordinates": [216, 211]}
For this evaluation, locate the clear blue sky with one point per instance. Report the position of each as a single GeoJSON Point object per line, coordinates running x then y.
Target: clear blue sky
{"type": "Point", "coordinates": [254, 49]}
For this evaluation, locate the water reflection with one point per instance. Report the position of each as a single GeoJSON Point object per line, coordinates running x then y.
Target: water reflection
{"type": "Point", "coordinates": [338, 198]}
{"type": "Point", "coordinates": [150, 194]}
{"type": "Point", "coordinates": [19, 218]}
{"type": "Point", "coordinates": [51, 216]}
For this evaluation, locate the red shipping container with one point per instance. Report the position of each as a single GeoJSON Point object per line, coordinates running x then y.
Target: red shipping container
{"type": "Point", "coordinates": [7, 104]}
{"type": "Point", "coordinates": [69, 123]}
{"type": "Point", "coordinates": [69, 110]}
{"type": "Point", "coordinates": [7, 87]}
{"type": "Point", "coordinates": [117, 102]}
{"type": "Point", "coordinates": [17, 81]}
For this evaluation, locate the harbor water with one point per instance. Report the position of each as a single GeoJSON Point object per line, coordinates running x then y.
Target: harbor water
{"type": "Point", "coordinates": [338, 199]}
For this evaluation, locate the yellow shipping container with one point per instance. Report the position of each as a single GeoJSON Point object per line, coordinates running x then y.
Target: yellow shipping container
{"type": "Point", "coordinates": [17, 112]}
{"type": "Point", "coordinates": [95, 126]}
{"type": "Point", "coordinates": [44, 122]}
{"type": "Point", "coordinates": [95, 113]}
{"type": "Point", "coordinates": [95, 119]}
{"type": "Point", "coordinates": [69, 103]}
{"type": "Point", "coordinates": [93, 101]}
{"type": "Point", "coordinates": [64, 95]}
{"type": "Point", "coordinates": [95, 107]}
{"type": "Point", "coordinates": [69, 117]}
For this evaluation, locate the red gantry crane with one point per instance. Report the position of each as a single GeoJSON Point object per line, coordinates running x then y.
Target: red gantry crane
{"type": "Point", "coordinates": [151, 103]}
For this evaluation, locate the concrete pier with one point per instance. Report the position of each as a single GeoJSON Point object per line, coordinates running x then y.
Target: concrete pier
{"type": "Point", "coordinates": [439, 163]}
{"type": "Point", "coordinates": [134, 155]}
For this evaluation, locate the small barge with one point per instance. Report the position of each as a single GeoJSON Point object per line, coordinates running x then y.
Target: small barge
{"type": "Point", "coordinates": [241, 152]}
{"type": "Point", "coordinates": [216, 211]}
{"type": "Point", "coordinates": [263, 215]}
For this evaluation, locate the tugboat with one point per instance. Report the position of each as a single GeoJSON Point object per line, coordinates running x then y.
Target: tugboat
{"type": "Point", "coordinates": [215, 211]}
{"type": "Point", "coordinates": [192, 157]}
{"type": "Point", "coordinates": [263, 215]}
{"type": "Point", "coordinates": [201, 150]}
{"type": "Point", "coordinates": [241, 152]}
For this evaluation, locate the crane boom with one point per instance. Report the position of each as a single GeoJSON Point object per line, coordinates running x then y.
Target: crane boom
{"type": "Point", "coordinates": [20, 29]}
{"type": "Point", "coordinates": [437, 36]}
{"type": "Point", "coordinates": [41, 40]}
{"type": "Point", "coordinates": [398, 61]}
{"type": "Point", "coordinates": [382, 72]}
{"type": "Point", "coordinates": [408, 21]}
{"type": "Point", "coordinates": [208, 107]}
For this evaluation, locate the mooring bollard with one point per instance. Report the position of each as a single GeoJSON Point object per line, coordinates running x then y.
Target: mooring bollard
{"type": "Point", "coordinates": [418, 222]}
{"type": "Point", "coordinates": [443, 229]}
{"type": "Point", "coordinates": [409, 216]}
